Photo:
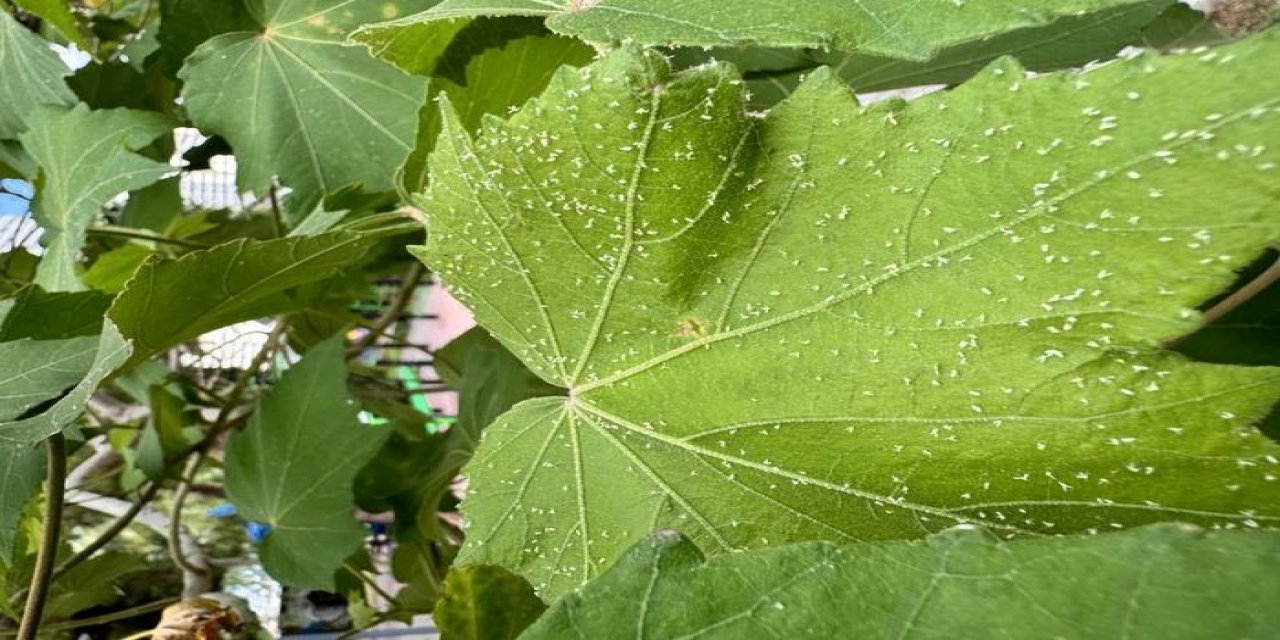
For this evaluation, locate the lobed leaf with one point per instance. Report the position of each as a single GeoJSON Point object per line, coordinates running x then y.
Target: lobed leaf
{"type": "Point", "coordinates": [848, 324]}
{"type": "Point", "coordinates": [296, 101]}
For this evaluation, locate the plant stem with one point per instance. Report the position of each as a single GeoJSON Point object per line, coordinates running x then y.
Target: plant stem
{"type": "Point", "coordinates": [55, 477]}
{"type": "Point", "coordinates": [369, 582]}
{"type": "Point", "coordinates": [175, 518]}
{"type": "Point", "coordinates": [124, 232]}
{"type": "Point", "coordinates": [404, 295]}
{"type": "Point", "coordinates": [1233, 301]}
{"type": "Point", "coordinates": [123, 614]}
{"type": "Point", "coordinates": [277, 218]}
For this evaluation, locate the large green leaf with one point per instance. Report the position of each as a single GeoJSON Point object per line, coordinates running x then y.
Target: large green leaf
{"type": "Point", "coordinates": [296, 101]}
{"type": "Point", "coordinates": [33, 371]}
{"type": "Point", "coordinates": [293, 466]}
{"type": "Point", "coordinates": [33, 75]}
{"type": "Point", "coordinates": [168, 302]}
{"type": "Point", "coordinates": [112, 350]}
{"type": "Point", "coordinates": [847, 323]}
{"type": "Point", "coordinates": [185, 24]}
{"type": "Point", "coordinates": [21, 469]}
{"type": "Point", "coordinates": [86, 158]}
{"type": "Point", "coordinates": [1162, 581]}
{"type": "Point", "coordinates": [910, 30]}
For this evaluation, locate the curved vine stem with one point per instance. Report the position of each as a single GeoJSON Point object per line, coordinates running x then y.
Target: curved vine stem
{"type": "Point", "coordinates": [175, 518]}
{"type": "Point", "coordinates": [404, 295]}
{"type": "Point", "coordinates": [55, 477]}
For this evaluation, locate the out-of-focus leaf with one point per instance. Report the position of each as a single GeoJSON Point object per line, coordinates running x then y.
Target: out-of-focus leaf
{"type": "Point", "coordinates": [170, 301]}
{"type": "Point", "coordinates": [296, 101]}
{"type": "Point", "coordinates": [293, 466]}
{"type": "Point", "coordinates": [34, 371]}
{"type": "Point", "coordinates": [1157, 582]}
{"type": "Point", "coordinates": [91, 583]}
{"type": "Point", "coordinates": [111, 352]}
{"type": "Point", "coordinates": [112, 270]}
{"type": "Point", "coordinates": [57, 13]}
{"type": "Point", "coordinates": [33, 76]}
{"type": "Point", "coordinates": [154, 207]}
{"type": "Point", "coordinates": [86, 158]}
{"type": "Point", "coordinates": [162, 437]}
{"type": "Point", "coordinates": [112, 85]}
{"type": "Point", "coordinates": [45, 315]}
{"type": "Point", "coordinates": [1181, 27]}
{"type": "Point", "coordinates": [21, 469]}
{"type": "Point", "coordinates": [486, 603]}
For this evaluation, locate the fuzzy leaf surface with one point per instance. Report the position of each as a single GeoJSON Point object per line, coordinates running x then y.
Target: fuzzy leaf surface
{"type": "Point", "coordinates": [293, 465]}
{"type": "Point", "coordinates": [1161, 581]}
{"type": "Point", "coordinates": [295, 100]}
{"type": "Point", "coordinates": [846, 324]}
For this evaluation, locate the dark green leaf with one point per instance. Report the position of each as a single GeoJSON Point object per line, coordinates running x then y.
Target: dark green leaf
{"type": "Point", "coordinates": [1158, 582]}
{"type": "Point", "coordinates": [185, 24]}
{"type": "Point", "coordinates": [162, 438]}
{"type": "Point", "coordinates": [1181, 27]}
{"type": "Point", "coordinates": [486, 603]}
{"type": "Point", "coordinates": [293, 466]}
{"type": "Point", "coordinates": [44, 315]}
{"type": "Point", "coordinates": [168, 302]}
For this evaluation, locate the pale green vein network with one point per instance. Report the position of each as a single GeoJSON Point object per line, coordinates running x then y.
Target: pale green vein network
{"type": "Point", "coordinates": [760, 348]}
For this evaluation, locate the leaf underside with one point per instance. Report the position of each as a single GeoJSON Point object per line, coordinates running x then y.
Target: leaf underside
{"type": "Point", "coordinates": [842, 323]}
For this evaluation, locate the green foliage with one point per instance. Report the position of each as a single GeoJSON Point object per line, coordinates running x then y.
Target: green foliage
{"type": "Point", "coordinates": [968, 272]}
{"type": "Point", "coordinates": [717, 295]}
{"type": "Point", "coordinates": [1163, 581]}
{"type": "Point", "coordinates": [85, 159]}
{"type": "Point", "coordinates": [486, 603]}
{"type": "Point", "coordinates": [295, 101]}
{"type": "Point", "coordinates": [292, 469]}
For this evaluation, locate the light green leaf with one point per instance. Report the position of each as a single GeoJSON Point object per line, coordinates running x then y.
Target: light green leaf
{"type": "Point", "coordinates": [296, 101]}
{"type": "Point", "coordinates": [112, 270]}
{"type": "Point", "coordinates": [33, 371]}
{"type": "Point", "coordinates": [57, 13]}
{"type": "Point", "coordinates": [170, 301]}
{"type": "Point", "coordinates": [21, 469]}
{"type": "Point", "coordinates": [486, 603]}
{"type": "Point", "coordinates": [293, 466]}
{"type": "Point", "coordinates": [86, 158]}
{"type": "Point", "coordinates": [910, 30]}
{"type": "Point", "coordinates": [162, 438]}
{"type": "Point", "coordinates": [846, 323]}
{"type": "Point", "coordinates": [1162, 581]}
{"type": "Point", "coordinates": [112, 350]}
{"type": "Point", "coordinates": [33, 76]}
